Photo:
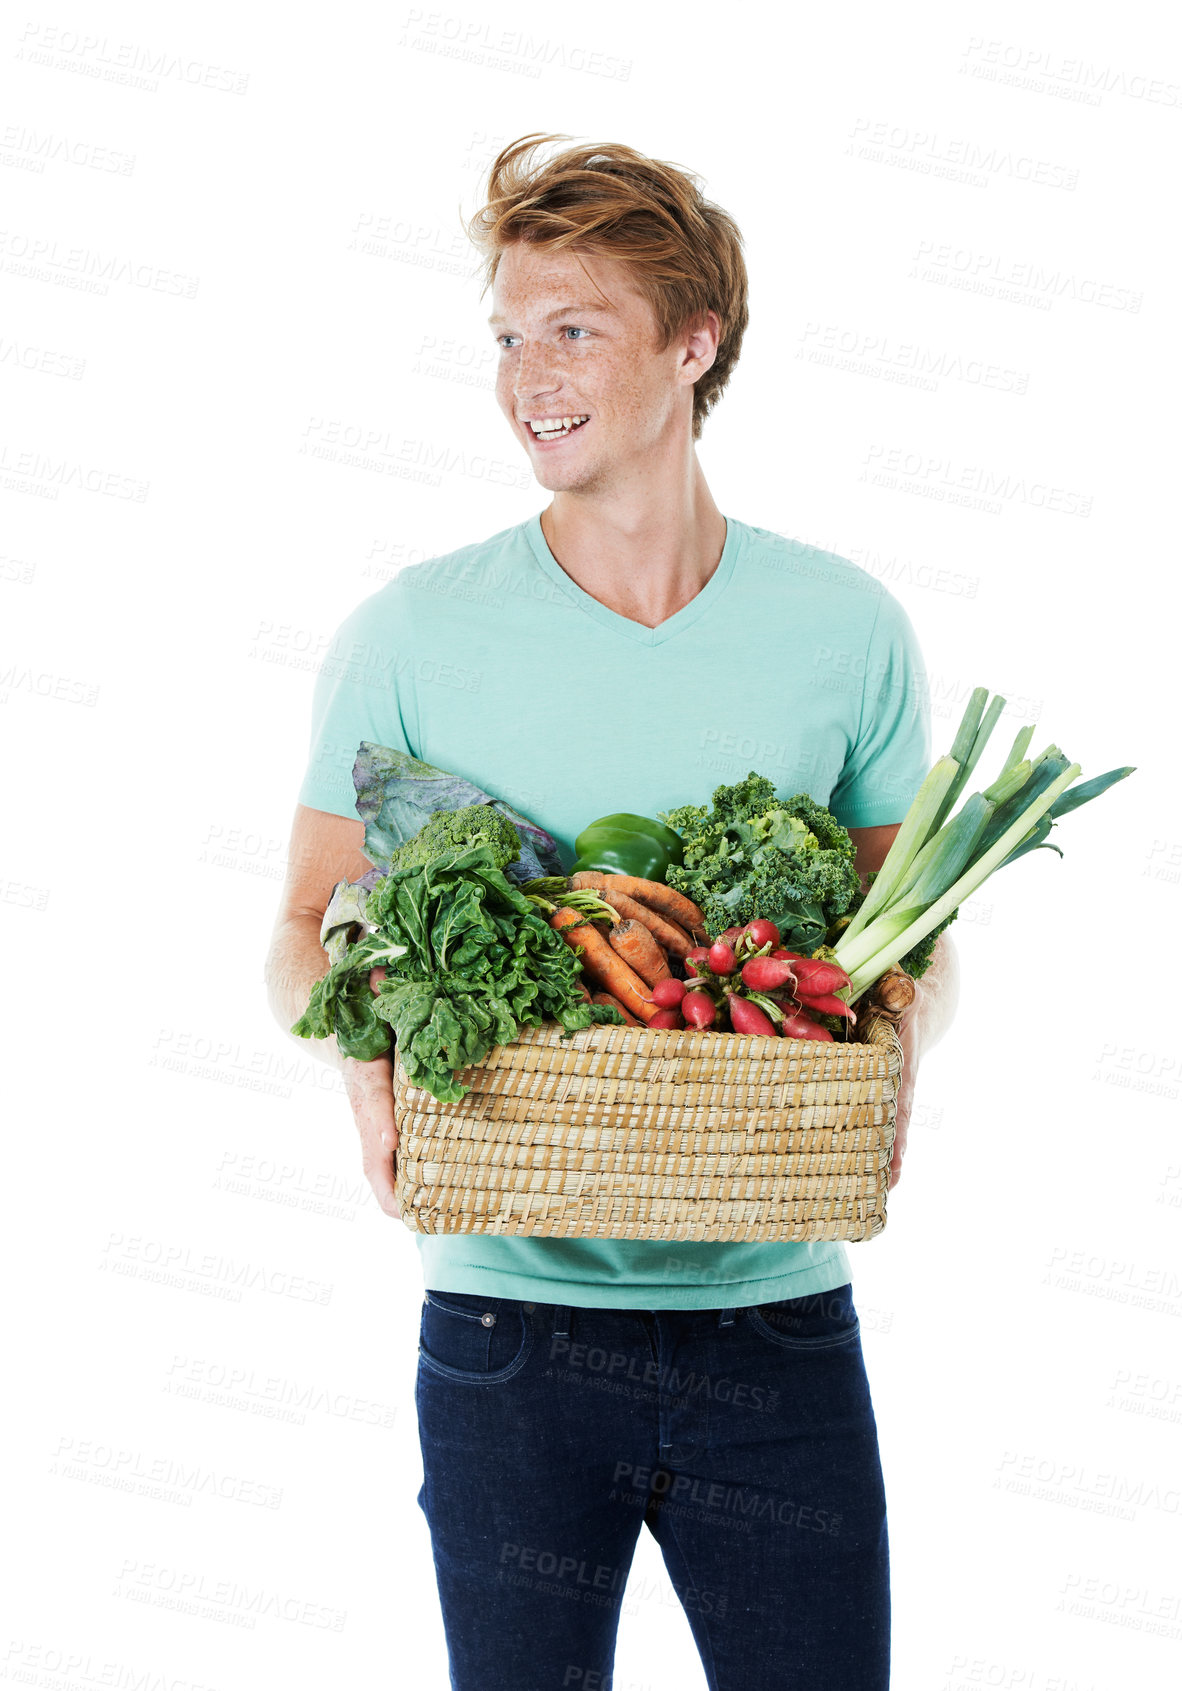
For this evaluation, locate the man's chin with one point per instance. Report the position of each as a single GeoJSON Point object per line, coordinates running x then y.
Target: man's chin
{"type": "Point", "coordinates": [557, 478]}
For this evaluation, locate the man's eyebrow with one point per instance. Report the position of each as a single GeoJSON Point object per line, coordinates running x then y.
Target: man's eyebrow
{"type": "Point", "coordinates": [581, 308]}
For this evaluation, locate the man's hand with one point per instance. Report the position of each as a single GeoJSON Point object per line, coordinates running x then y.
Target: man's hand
{"type": "Point", "coordinates": [909, 1039]}
{"type": "Point", "coordinates": [922, 1025]}
{"type": "Point", "coordinates": [370, 1087]}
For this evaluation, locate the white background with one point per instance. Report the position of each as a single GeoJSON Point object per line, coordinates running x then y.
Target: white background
{"type": "Point", "coordinates": [960, 277]}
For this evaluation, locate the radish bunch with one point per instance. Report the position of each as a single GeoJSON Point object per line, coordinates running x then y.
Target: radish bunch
{"type": "Point", "coordinates": [748, 978]}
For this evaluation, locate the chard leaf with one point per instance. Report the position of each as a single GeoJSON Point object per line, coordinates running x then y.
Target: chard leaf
{"type": "Point", "coordinates": [468, 960]}
{"type": "Point", "coordinates": [346, 911]}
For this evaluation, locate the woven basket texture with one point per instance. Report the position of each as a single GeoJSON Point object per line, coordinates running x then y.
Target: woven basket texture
{"type": "Point", "coordinates": [647, 1133]}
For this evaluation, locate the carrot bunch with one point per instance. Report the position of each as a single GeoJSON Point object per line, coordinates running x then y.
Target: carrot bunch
{"type": "Point", "coordinates": [649, 923]}
{"type": "Point", "coordinates": [745, 979]}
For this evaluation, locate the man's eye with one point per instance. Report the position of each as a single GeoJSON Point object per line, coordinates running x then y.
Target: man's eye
{"type": "Point", "coordinates": [571, 329]}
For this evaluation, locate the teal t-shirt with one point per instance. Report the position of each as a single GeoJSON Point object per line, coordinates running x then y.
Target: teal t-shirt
{"type": "Point", "coordinates": [492, 663]}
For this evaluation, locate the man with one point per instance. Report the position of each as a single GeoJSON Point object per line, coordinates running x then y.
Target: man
{"type": "Point", "coordinates": [632, 648]}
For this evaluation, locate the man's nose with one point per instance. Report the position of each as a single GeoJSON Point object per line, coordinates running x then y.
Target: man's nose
{"type": "Point", "coordinates": [538, 372]}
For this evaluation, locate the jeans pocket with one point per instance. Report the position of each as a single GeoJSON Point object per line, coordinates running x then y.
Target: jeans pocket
{"type": "Point", "coordinates": [816, 1321]}
{"type": "Point", "coordinates": [464, 1336]}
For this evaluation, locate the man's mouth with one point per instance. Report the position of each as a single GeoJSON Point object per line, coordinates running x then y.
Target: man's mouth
{"type": "Point", "coordinates": [553, 428]}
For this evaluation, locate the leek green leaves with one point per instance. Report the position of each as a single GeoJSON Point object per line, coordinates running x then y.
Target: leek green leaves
{"type": "Point", "coordinates": [942, 855]}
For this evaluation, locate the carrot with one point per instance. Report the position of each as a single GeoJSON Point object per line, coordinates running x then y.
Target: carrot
{"type": "Point", "coordinates": [601, 963]}
{"type": "Point", "coordinates": [666, 901]}
{"type": "Point", "coordinates": [670, 936]}
{"type": "Point", "coordinates": [633, 942]}
{"type": "Point", "coordinates": [606, 998]}
{"type": "Point", "coordinates": [565, 917]}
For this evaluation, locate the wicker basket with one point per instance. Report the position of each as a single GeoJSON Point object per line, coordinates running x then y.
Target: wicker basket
{"type": "Point", "coordinates": [646, 1133]}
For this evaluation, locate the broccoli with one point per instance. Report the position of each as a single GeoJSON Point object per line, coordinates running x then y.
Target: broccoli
{"type": "Point", "coordinates": [459, 830]}
{"type": "Point", "coordinates": [753, 854]}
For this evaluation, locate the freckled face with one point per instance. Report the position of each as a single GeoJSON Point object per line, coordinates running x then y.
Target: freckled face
{"type": "Point", "coordinates": [576, 339]}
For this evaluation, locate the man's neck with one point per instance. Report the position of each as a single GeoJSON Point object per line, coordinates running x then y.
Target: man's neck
{"type": "Point", "coordinates": [644, 561]}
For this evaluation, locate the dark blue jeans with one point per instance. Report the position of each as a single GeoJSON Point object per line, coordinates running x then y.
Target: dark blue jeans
{"type": "Point", "coordinates": [743, 1439]}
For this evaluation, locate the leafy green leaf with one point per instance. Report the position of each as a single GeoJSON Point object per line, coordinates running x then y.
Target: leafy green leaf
{"type": "Point", "coordinates": [469, 961]}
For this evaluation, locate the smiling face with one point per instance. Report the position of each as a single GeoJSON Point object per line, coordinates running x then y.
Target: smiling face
{"type": "Point", "coordinates": [577, 340]}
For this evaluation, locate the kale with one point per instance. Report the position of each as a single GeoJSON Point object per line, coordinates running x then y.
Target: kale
{"type": "Point", "coordinates": [752, 854]}
{"type": "Point", "coordinates": [459, 830]}
{"type": "Point", "coordinates": [916, 961]}
{"type": "Point", "coordinates": [469, 961]}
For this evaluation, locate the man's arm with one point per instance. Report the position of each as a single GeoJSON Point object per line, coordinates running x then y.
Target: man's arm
{"type": "Point", "coordinates": [937, 994]}
{"type": "Point", "coordinates": [930, 1014]}
{"type": "Point", "coordinates": [326, 849]}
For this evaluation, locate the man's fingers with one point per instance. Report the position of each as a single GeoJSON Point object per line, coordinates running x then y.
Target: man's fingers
{"type": "Point", "coordinates": [379, 1159]}
{"type": "Point", "coordinates": [376, 977]}
{"type": "Point", "coordinates": [379, 1172]}
{"type": "Point", "coordinates": [902, 1122]}
{"type": "Point", "coordinates": [371, 1095]}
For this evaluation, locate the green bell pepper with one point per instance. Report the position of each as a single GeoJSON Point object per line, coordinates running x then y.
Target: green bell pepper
{"type": "Point", "coordinates": [625, 844]}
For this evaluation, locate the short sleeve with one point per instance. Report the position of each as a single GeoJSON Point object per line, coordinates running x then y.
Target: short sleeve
{"type": "Point", "coordinates": [887, 764]}
{"type": "Point", "coordinates": [355, 698]}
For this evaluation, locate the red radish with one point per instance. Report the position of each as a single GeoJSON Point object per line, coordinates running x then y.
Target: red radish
{"type": "Point", "coordinates": [747, 1017]}
{"type": "Point", "coordinates": [799, 1027]}
{"type": "Point", "coordinates": [698, 1008]}
{"type": "Point", "coordinates": [666, 1019]}
{"type": "Point", "coordinates": [668, 993]}
{"type": "Point", "coordinates": [826, 1003]}
{"type": "Point", "coordinates": [763, 932]}
{"type": "Point", "coordinates": [817, 977]}
{"type": "Point", "coordinates": [721, 958]}
{"type": "Point", "coordinates": [730, 935]}
{"type": "Point", "coordinates": [699, 954]}
{"type": "Point", "coordinates": [765, 974]}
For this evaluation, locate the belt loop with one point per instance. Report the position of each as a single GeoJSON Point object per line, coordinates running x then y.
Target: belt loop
{"type": "Point", "coordinates": [726, 1318]}
{"type": "Point", "coordinates": [562, 1320]}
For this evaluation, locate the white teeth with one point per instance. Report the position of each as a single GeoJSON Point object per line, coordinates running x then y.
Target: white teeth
{"type": "Point", "coordinates": [555, 425]}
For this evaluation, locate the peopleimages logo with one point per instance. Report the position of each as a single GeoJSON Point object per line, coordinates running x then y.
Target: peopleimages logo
{"type": "Point", "coordinates": [1019, 281]}
{"type": "Point", "coordinates": [1043, 72]}
{"type": "Point", "coordinates": [619, 1365]}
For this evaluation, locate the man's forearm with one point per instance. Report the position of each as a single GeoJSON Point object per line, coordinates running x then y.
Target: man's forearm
{"type": "Point", "coordinates": [937, 994]}
{"type": "Point", "coordinates": [297, 960]}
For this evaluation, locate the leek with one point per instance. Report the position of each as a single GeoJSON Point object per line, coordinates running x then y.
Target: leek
{"type": "Point", "coordinates": [962, 745]}
{"type": "Point", "coordinates": [1089, 790]}
{"type": "Point", "coordinates": [941, 855]}
{"type": "Point", "coordinates": [945, 855]}
{"type": "Point", "coordinates": [864, 970]}
{"type": "Point", "coordinates": [1009, 782]}
{"type": "Point", "coordinates": [1019, 748]}
{"type": "Point", "coordinates": [913, 832]}
{"type": "Point", "coordinates": [971, 759]}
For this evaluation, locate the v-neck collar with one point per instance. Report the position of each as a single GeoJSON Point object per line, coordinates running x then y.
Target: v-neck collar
{"type": "Point", "coordinates": [698, 606]}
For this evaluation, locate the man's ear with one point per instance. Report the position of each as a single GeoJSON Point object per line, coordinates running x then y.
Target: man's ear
{"type": "Point", "coordinates": [702, 342]}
